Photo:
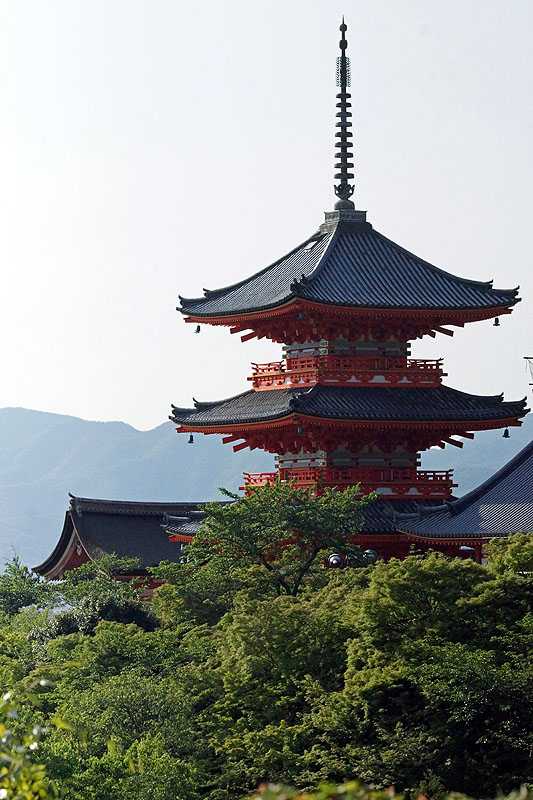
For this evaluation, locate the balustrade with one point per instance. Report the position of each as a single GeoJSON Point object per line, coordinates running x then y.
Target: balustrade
{"type": "Point", "coordinates": [347, 370]}
{"type": "Point", "coordinates": [398, 481]}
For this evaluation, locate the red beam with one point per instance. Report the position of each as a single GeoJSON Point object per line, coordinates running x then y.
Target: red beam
{"type": "Point", "coordinates": [232, 438]}
{"type": "Point", "coordinates": [454, 442]}
{"type": "Point", "coordinates": [241, 446]}
{"type": "Point", "coordinates": [445, 331]}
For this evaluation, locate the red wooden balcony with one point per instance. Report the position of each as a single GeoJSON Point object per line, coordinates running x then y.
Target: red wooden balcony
{"type": "Point", "coordinates": [347, 370]}
{"type": "Point", "coordinates": [392, 482]}
{"type": "Point", "coordinates": [253, 479]}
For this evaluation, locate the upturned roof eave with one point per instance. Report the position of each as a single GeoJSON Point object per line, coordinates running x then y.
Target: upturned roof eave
{"type": "Point", "coordinates": [234, 425]}
{"type": "Point", "coordinates": [497, 308]}
{"type": "Point", "coordinates": [456, 278]}
{"type": "Point", "coordinates": [191, 307]}
{"type": "Point", "coordinates": [57, 553]}
{"type": "Point", "coordinates": [435, 536]}
{"type": "Point", "coordinates": [209, 294]}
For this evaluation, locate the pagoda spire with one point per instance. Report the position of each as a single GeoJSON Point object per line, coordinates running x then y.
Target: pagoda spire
{"type": "Point", "coordinates": [344, 189]}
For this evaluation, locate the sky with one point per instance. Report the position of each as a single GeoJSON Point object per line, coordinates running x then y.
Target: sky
{"type": "Point", "coordinates": [152, 148]}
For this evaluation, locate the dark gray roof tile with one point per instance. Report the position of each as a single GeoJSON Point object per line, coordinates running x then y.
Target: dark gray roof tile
{"type": "Point", "coordinates": [500, 506]}
{"type": "Point", "coordinates": [438, 403]}
{"type": "Point", "coordinates": [351, 267]}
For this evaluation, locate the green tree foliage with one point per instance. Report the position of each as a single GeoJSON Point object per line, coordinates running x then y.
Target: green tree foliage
{"type": "Point", "coordinates": [20, 587]}
{"type": "Point", "coordinates": [21, 778]}
{"type": "Point", "coordinates": [514, 554]}
{"type": "Point", "coordinates": [356, 791]}
{"type": "Point", "coordinates": [416, 674]}
{"type": "Point", "coordinates": [286, 531]}
{"type": "Point", "coordinates": [92, 593]}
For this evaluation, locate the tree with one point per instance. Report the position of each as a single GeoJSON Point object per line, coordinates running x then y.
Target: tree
{"type": "Point", "coordinates": [20, 777]}
{"type": "Point", "coordinates": [354, 790]}
{"type": "Point", "coordinates": [513, 554]}
{"type": "Point", "coordinates": [285, 530]}
{"type": "Point", "coordinates": [20, 587]}
{"type": "Point", "coordinates": [92, 593]}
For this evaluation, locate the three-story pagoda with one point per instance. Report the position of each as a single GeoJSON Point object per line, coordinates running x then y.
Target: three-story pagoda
{"type": "Point", "coordinates": [346, 404]}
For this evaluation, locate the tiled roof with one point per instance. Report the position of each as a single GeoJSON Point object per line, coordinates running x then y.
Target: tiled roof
{"type": "Point", "coordinates": [380, 516]}
{"type": "Point", "coordinates": [185, 525]}
{"type": "Point", "coordinates": [500, 506]}
{"type": "Point", "coordinates": [128, 529]}
{"type": "Point", "coordinates": [351, 265]}
{"type": "Point", "coordinates": [82, 505]}
{"type": "Point", "coordinates": [438, 403]}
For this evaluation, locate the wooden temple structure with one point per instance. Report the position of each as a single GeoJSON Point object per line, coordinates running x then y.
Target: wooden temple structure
{"type": "Point", "coordinates": [94, 528]}
{"type": "Point", "coordinates": [346, 404]}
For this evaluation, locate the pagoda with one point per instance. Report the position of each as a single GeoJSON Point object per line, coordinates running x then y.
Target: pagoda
{"type": "Point", "coordinates": [347, 404]}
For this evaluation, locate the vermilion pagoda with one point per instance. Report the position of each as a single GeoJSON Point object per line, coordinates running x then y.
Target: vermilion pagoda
{"type": "Point", "coordinates": [347, 405]}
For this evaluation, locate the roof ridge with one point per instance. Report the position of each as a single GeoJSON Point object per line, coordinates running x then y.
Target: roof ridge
{"type": "Point", "coordinates": [457, 278]}
{"type": "Point", "coordinates": [101, 505]}
{"type": "Point", "coordinates": [319, 267]}
{"type": "Point", "coordinates": [211, 293]}
{"type": "Point", "coordinates": [203, 405]}
{"type": "Point", "coordinates": [484, 396]}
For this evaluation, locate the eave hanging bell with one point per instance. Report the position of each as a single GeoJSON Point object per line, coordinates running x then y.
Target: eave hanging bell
{"type": "Point", "coordinates": [506, 434]}
{"type": "Point", "coordinates": [190, 439]}
{"type": "Point", "coordinates": [496, 322]}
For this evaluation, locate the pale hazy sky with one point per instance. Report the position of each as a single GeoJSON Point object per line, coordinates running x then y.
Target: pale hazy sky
{"type": "Point", "coordinates": [149, 149]}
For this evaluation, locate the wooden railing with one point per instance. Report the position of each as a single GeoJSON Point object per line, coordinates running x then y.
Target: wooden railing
{"type": "Point", "coordinates": [252, 479]}
{"type": "Point", "coordinates": [399, 481]}
{"type": "Point", "coordinates": [348, 370]}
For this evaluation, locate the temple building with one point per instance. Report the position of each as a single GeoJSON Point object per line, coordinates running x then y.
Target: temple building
{"type": "Point", "coordinates": [347, 404]}
{"type": "Point", "coordinates": [95, 528]}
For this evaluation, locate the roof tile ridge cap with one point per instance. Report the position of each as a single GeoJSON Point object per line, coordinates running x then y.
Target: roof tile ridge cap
{"type": "Point", "coordinates": [484, 284]}
{"type": "Point", "coordinates": [299, 394]}
{"type": "Point", "coordinates": [204, 405]}
{"type": "Point", "coordinates": [319, 267]}
{"type": "Point", "coordinates": [94, 505]}
{"type": "Point", "coordinates": [210, 293]}
{"type": "Point", "coordinates": [422, 511]}
{"type": "Point", "coordinates": [456, 506]}
{"type": "Point", "coordinates": [181, 411]}
{"type": "Point", "coordinates": [477, 396]}
{"type": "Point", "coordinates": [107, 501]}
{"type": "Point", "coordinates": [132, 508]}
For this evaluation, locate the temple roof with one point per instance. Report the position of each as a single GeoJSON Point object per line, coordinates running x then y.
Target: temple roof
{"type": "Point", "coordinates": [500, 506]}
{"type": "Point", "coordinates": [350, 264]}
{"type": "Point", "coordinates": [142, 529]}
{"type": "Point", "coordinates": [435, 404]}
{"type": "Point", "coordinates": [380, 517]}
{"type": "Point", "coordinates": [128, 529]}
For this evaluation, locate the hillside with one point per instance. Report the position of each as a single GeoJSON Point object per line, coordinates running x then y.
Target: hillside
{"type": "Point", "coordinates": [45, 456]}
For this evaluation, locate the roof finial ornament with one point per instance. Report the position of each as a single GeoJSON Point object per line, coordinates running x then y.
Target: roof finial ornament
{"type": "Point", "coordinates": [344, 189]}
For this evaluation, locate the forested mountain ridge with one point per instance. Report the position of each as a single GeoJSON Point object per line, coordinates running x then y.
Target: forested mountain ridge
{"type": "Point", "coordinates": [45, 456]}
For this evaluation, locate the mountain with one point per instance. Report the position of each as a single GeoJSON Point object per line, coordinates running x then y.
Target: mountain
{"type": "Point", "coordinates": [45, 456]}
